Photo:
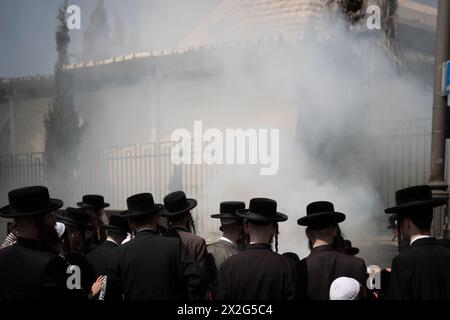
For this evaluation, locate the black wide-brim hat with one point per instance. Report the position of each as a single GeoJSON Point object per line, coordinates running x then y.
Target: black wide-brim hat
{"type": "Point", "coordinates": [74, 216]}
{"type": "Point", "coordinates": [262, 210]}
{"type": "Point", "coordinates": [228, 210]}
{"type": "Point", "coordinates": [350, 249]}
{"type": "Point", "coordinates": [93, 201]}
{"type": "Point", "coordinates": [320, 215]}
{"type": "Point", "coordinates": [117, 223]}
{"type": "Point", "coordinates": [416, 197]}
{"type": "Point", "coordinates": [141, 204]}
{"type": "Point", "coordinates": [29, 201]}
{"type": "Point", "coordinates": [176, 203]}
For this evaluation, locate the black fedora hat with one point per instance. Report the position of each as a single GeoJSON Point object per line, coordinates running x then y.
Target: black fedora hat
{"type": "Point", "coordinates": [93, 201]}
{"type": "Point", "coordinates": [29, 201]}
{"type": "Point", "coordinates": [117, 223]}
{"type": "Point", "coordinates": [141, 204]}
{"type": "Point", "coordinates": [228, 211]}
{"type": "Point", "coordinates": [262, 210]}
{"type": "Point", "coordinates": [349, 249]}
{"type": "Point", "coordinates": [74, 216]}
{"type": "Point", "coordinates": [176, 203]}
{"type": "Point", "coordinates": [416, 197]}
{"type": "Point", "coordinates": [320, 215]}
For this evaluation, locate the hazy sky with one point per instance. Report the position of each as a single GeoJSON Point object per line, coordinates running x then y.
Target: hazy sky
{"type": "Point", "coordinates": [27, 28]}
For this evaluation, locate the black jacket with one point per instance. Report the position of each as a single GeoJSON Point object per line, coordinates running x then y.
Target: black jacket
{"type": "Point", "coordinates": [422, 272]}
{"type": "Point", "coordinates": [29, 271]}
{"type": "Point", "coordinates": [101, 256]}
{"type": "Point", "coordinates": [152, 267]}
{"type": "Point", "coordinates": [325, 264]}
{"type": "Point", "coordinates": [257, 273]}
{"type": "Point", "coordinates": [86, 269]}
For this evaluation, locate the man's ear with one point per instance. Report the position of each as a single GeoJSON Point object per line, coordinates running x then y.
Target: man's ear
{"type": "Point", "coordinates": [308, 233]}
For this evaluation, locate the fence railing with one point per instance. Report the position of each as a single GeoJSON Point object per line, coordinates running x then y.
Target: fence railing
{"type": "Point", "coordinates": [402, 159]}
{"type": "Point", "coordinates": [403, 156]}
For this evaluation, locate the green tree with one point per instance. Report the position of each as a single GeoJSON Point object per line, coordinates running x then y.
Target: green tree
{"type": "Point", "coordinates": [62, 125]}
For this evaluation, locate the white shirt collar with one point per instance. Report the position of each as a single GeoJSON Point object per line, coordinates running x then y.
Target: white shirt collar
{"type": "Point", "coordinates": [111, 239]}
{"type": "Point", "coordinates": [319, 243]}
{"type": "Point", "coordinates": [417, 237]}
{"type": "Point", "coordinates": [229, 241]}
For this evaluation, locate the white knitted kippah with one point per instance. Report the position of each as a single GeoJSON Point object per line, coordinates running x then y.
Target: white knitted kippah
{"type": "Point", "coordinates": [60, 228]}
{"type": "Point", "coordinates": [344, 288]}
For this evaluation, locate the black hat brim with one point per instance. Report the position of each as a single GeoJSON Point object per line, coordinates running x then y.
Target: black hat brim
{"type": "Point", "coordinates": [131, 213]}
{"type": "Point", "coordinates": [321, 219]}
{"type": "Point", "coordinates": [353, 251]}
{"type": "Point", "coordinates": [256, 217]}
{"type": "Point", "coordinates": [192, 204]}
{"type": "Point", "coordinates": [89, 206]}
{"type": "Point", "coordinates": [53, 205]}
{"type": "Point", "coordinates": [416, 205]}
{"type": "Point", "coordinates": [226, 218]}
{"type": "Point", "coordinates": [67, 220]}
{"type": "Point", "coordinates": [117, 229]}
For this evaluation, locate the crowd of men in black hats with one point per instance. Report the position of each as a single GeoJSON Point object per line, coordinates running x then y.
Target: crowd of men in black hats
{"type": "Point", "coordinates": [133, 256]}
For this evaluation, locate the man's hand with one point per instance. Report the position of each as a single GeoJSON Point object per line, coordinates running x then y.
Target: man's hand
{"type": "Point", "coordinates": [97, 286]}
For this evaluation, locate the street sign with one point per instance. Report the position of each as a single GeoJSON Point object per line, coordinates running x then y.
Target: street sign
{"type": "Point", "coordinates": [445, 90]}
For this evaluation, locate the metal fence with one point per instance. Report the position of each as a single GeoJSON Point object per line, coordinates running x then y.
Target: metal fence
{"type": "Point", "coordinates": [402, 159]}
{"type": "Point", "coordinates": [115, 172]}
{"type": "Point", "coordinates": [402, 156]}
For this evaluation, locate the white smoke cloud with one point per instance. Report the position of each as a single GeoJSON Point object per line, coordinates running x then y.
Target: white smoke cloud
{"type": "Point", "coordinates": [328, 93]}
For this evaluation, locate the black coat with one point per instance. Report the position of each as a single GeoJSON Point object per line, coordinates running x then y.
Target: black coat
{"type": "Point", "coordinates": [422, 272]}
{"type": "Point", "coordinates": [86, 269]}
{"type": "Point", "coordinates": [152, 267]}
{"type": "Point", "coordinates": [325, 264]}
{"type": "Point", "coordinates": [257, 273]}
{"type": "Point", "coordinates": [29, 271]}
{"type": "Point", "coordinates": [101, 256]}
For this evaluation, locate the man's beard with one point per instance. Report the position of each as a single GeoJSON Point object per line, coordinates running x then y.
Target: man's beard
{"type": "Point", "coordinates": [47, 233]}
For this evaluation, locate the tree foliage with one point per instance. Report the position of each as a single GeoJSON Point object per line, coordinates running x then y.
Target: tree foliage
{"type": "Point", "coordinates": [62, 125]}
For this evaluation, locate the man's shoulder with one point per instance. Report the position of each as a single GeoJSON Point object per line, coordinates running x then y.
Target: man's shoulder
{"type": "Point", "coordinates": [250, 255]}
{"type": "Point", "coordinates": [16, 250]}
{"type": "Point", "coordinates": [193, 238]}
{"type": "Point", "coordinates": [351, 259]}
{"type": "Point", "coordinates": [219, 244]}
{"type": "Point", "coordinates": [431, 249]}
{"type": "Point", "coordinates": [339, 256]}
{"type": "Point", "coordinates": [149, 241]}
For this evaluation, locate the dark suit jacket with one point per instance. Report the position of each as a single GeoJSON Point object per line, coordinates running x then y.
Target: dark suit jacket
{"type": "Point", "coordinates": [151, 267]}
{"type": "Point", "coordinates": [29, 271]}
{"type": "Point", "coordinates": [86, 269]}
{"type": "Point", "coordinates": [221, 251]}
{"type": "Point", "coordinates": [257, 273]}
{"type": "Point", "coordinates": [195, 245]}
{"type": "Point", "coordinates": [101, 256]}
{"type": "Point", "coordinates": [422, 272]}
{"type": "Point", "coordinates": [325, 264]}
